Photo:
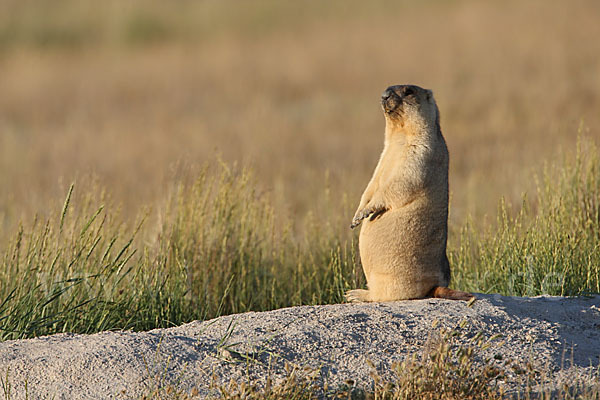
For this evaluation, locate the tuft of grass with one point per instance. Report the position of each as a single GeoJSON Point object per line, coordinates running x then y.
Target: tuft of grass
{"type": "Point", "coordinates": [220, 237]}
{"type": "Point", "coordinates": [67, 273]}
{"type": "Point", "coordinates": [552, 244]}
{"type": "Point", "coordinates": [298, 384]}
{"type": "Point", "coordinates": [218, 251]}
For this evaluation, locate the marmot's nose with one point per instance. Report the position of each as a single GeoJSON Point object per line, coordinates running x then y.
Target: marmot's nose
{"type": "Point", "coordinates": [387, 94]}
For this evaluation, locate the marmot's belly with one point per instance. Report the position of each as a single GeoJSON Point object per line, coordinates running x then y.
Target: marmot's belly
{"type": "Point", "coordinates": [407, 248]}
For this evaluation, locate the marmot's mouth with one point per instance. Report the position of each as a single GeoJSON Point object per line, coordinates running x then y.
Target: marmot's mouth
{"type": "Point", "coordinates": [392, 110]}
{"type": "Point", "coordinates": [392, 104]}
{"type": "Point", "coordinates": [395, 113]}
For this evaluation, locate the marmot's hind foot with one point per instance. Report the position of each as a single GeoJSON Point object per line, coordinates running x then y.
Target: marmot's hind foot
{"type": "Point", "coordinates": [357, 295]}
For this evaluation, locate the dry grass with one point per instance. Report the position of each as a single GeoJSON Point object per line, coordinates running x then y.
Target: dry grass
{"type": "Point", "coordinates": [551, 245]}
{"type": "Point", "coordinates": [132, 93]}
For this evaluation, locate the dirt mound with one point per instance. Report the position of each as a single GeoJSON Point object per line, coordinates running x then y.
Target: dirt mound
{"type": "Point", "coordinates": [336, 340]}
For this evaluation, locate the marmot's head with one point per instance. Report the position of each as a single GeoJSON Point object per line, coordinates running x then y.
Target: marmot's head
{"type": "Point", "coordinates": [409, 108]}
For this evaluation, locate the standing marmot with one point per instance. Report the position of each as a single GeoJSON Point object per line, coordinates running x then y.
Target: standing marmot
{"type": "Point", "coordinates": [405, 205]}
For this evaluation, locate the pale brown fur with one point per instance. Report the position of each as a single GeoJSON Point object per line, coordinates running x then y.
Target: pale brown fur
{"type": "Point", "coordinates": [404, 209]}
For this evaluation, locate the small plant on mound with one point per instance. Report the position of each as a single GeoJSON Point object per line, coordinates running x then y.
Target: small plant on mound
{"type": "Point", "coordinates": [446, 369]}
{"type": "Point", "coordinates": [298, 384]}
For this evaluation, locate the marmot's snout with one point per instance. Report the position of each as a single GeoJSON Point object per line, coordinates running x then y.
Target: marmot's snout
{"type": "Point", "coordinates": [390, 100]}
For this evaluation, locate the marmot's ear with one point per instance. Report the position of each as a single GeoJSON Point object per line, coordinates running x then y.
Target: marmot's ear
{"type": "Point", "coordinates": [429, 94]}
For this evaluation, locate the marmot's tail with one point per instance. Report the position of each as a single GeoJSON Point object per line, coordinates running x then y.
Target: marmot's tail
{"type": "Point", "coordinates": [445, 293]}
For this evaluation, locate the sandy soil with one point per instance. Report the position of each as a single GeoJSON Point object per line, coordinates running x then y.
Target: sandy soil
{"type": "Point", "coordinates": [560, 334]}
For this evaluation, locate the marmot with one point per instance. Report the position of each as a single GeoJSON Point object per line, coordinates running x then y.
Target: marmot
{"type": "Point", "coordinates": [404, 209]}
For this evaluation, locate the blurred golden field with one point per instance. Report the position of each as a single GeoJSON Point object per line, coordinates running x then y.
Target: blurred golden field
{"type": "Point", "coordinates": [136, 93]}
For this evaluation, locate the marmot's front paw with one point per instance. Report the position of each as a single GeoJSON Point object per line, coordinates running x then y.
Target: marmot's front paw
{"type": "Point", "coordinates": [358, 219]}
{"type": "Point", "coordinates": [369, 211]}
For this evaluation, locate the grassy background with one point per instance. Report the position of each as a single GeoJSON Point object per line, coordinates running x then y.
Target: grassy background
{"type": "Point", "coordinates": [156, 109]}
{"type": "Point", "coordinates": [220, 248]}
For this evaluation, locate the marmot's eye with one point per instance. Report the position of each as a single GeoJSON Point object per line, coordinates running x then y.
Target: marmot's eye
{"type": "Point", "coordinates": [408, 92]}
